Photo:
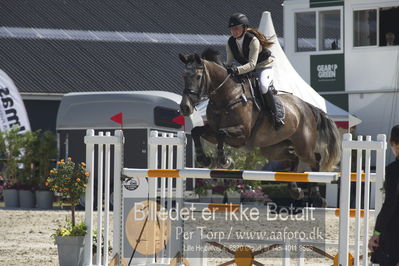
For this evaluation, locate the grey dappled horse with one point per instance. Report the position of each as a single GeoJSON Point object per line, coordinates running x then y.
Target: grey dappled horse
{"type": "Point", "coordinates": [308, 134]}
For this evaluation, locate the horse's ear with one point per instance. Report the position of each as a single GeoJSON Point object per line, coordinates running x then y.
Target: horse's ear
{"type": "Point", "coordinates": [183, 58]}
{"type": "Point", "coordinates": [197, 58]}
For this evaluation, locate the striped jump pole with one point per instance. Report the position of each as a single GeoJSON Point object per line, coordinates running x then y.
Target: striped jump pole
{"type": "Point", "coordinates": [316, 177]}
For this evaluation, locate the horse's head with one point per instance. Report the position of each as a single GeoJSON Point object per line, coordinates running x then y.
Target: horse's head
{"type": "Point", "coordinates": [195, 82]}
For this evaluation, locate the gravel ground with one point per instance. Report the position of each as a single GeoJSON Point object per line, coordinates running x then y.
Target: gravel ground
{"type": "Point", "coordinates": [25, 235]}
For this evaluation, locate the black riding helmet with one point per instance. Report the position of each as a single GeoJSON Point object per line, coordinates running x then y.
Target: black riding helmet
{"type": "Point", "coordinates": [238, 19]}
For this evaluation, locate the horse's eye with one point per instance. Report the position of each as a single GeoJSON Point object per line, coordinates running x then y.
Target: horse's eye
{"type": "Point", "coordinates": [198, 77]}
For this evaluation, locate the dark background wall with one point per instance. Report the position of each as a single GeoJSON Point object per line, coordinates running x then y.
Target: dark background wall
{"type": "Point", "coordinates": [42, 114]}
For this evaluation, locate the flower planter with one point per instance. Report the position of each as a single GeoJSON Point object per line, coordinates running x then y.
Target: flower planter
{"type": "Point", "coordinates": [26, 199]}
{"type": "Point", "coordinates": [248, 202]}
{"type": "Point", "coordinates": [233, 197]}
{"type": "Point", "coordinates": [207, 198]}
{"type": "Point", "coordinates": [70, 250]}
{"type": "Point", "coordinates": [217, 198]}
{"type": "Point", "coordinates": [253, 202]}
{"type": "Point", "coordinates": [11, 198]}
{"type": "Point", "coordinates": [259, 202]}
{"type": "Point", "coordinates": [44, 199]}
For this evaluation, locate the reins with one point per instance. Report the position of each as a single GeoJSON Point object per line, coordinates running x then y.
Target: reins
{"type": "Point", "coordinates": [221, 85]}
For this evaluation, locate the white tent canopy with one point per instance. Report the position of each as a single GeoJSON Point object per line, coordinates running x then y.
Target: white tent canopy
{"type": "Point", "coordinates": [286, 79]}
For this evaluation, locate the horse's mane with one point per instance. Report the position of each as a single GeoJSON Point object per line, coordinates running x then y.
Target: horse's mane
{"type": "Point", "coordinates": [212, 55]}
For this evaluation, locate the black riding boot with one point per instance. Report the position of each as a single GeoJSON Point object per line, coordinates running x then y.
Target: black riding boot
{"type": "Point", "coordinates": [270, 105]}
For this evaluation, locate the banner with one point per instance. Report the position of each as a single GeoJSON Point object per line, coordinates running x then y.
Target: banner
{"type": "Point", "coordinates": [327, 73]}
{"type": "Point", "coordinates": [12, 108]}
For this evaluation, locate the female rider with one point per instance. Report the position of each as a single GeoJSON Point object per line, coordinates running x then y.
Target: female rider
{"type": "Point", "coordinates": [250, 49]}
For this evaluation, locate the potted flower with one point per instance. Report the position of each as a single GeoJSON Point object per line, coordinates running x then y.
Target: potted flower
{"type": "Point", "coordinates": [95, 237]}
{"type": "Point", "coordinates": [11, 143]}
{"type": "Point", "coordinates": [255, 196]}
{"type": "Point", "coordinates": [27, 182]}
{"type": "Point", "coordinates": [234, 190]}
{"type": "Point", "coordinates": [1, 187]}
{"type": "Point", "coordinates": [69, 180]}
{"type": "Point", "coordinates": [203, 188]}
{"type": "Point", "coordinates": [218, 193]}
{"type": "Point", "coordinates": [46, 152]}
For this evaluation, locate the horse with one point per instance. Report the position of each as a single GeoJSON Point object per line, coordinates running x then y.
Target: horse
{"type": "Point", "coordinates": [308, 135]}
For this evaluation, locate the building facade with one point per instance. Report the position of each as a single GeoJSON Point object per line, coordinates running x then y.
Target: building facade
{"type": "Point", "coordinates": [348, 51]}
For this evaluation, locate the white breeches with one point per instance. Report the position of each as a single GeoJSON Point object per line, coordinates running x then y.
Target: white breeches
{"type": "Point", "coordinates": [265, 79]}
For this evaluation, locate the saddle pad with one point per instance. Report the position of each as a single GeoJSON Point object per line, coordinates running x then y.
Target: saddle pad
{"type": "Point", "coordinates": [256, 96]}
{"type": "Point", "coordinates": [279, 108]}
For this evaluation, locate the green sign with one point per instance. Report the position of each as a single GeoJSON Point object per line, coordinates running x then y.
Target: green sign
{"type": "Point", "coordinates": [327, 73]}
{"type": "Point", "coordinates": [322, 3]}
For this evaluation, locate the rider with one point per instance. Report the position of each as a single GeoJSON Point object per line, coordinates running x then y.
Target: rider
{"type": "Point", "coordinates": [250, 49]}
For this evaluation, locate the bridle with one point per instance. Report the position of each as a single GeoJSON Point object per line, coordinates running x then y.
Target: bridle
{"type": "Point", "coordinates": [200, 94]}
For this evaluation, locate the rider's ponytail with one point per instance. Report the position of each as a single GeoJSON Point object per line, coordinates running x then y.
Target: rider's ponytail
{"type": "Point", "coordinates": [264, 41]}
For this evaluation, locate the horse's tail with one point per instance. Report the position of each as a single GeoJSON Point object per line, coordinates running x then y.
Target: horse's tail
{"type": "Point", "coordinates": [328, 142]}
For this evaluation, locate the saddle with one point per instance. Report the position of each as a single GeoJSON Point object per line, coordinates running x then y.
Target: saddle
{"type": "Point", "coordinates": [253, 80]}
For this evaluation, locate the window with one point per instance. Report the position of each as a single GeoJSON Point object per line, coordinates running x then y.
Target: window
{"type": "Point", "coordinates": [374, 27]}
{"type": "Point", "coordinates": [365, 27]}
{"type": "Point", "coordinates": [389, 26]}
{"type": "Point", "coordinates": [319, 30]}
{"type": "Point", "coordinates": [329, 30]}
{"type": "Point", "coordinates": [163, 117]}
{"type": "Point", "coordinates": [305, 31]}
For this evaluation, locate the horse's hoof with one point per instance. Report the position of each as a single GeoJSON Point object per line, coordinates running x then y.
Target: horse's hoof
{"type": "Point", "coordinates": [229, 164]}
{"type": "Point", "coordinates": [213, 164]}
{"type": "Point", "coordinates": [204, 161]}
{"type": "Point", "coordinates": [295, 192]}
{"type": "Point", "coordinates": [319, 202]}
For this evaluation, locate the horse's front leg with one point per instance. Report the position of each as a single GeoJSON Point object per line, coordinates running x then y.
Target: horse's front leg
{"type": "Point", "coordinates": [238, 134]}
{"type": "Point", "coordinates": [197, 133]}
{"type": "Point", "coordinates": [221, 157]}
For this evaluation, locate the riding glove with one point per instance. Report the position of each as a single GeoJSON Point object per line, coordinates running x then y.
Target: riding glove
{"type": "Point", "coordinates": [232, 70]}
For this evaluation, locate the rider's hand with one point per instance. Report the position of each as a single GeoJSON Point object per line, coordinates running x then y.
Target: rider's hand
{"type": "Point", "coordinates": [232, 70]}
{"type": "Point", "coordinates": [374, 242]}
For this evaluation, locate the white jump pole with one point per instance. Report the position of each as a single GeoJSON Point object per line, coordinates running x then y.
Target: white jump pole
{"type": "Point", "coordinates": [152, 182]}
{"type": "Point", "coordinates": [366, 205]}
{"type": "Point", "coordinates": [344, 203]}
{"type": "Point", "coordinates": [118, 165]}
{"type": "Point", "coordinates": [88, 255]}
{"type": "Point", "coordinates": [359, 158]}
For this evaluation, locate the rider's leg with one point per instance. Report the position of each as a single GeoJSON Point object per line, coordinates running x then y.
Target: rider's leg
{"type": "Point", "coordinates": [265, 80]}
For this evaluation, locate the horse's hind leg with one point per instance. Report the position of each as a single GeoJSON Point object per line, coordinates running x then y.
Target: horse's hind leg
{"type": "Point", "coordinates": [284, 151]}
